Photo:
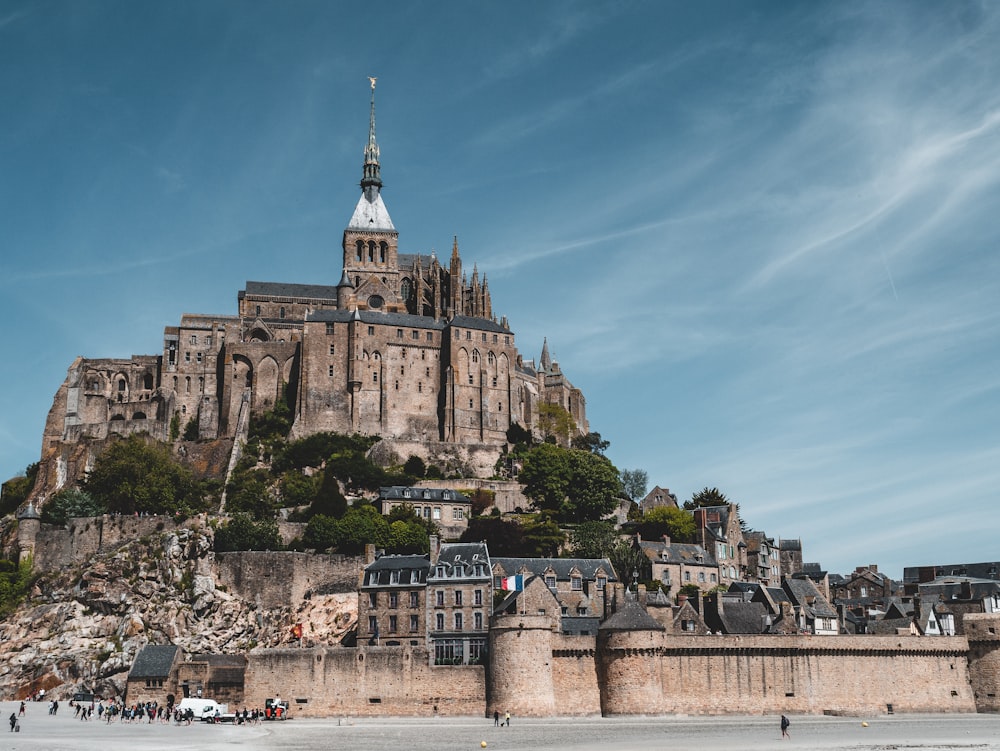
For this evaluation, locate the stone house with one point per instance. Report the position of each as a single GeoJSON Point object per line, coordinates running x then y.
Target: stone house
{"type": "Point", "coordinates": [721, 535]}
{"type": "Point", "coordinates": [681, 618]}
{"type": "Point", "coordinates": [154, 674]}
{"type": "Point", "coordinates": [675, 564]}
{"type": "Point", "coordinates": [219, 677]}
{"type": "Point", "coordinates": [763, 559]}
{"type": "Point", "coordinates": [790, 552]}
{"type": "Point", "coordinates": [392, 607]}
{"type": "Point", "coordinates": [864, 582]}
{"type": "Point", "coordinates": [578, 584]}
{"type": "Point", "coordinates": [812, 612]}
{"type": "Point", "coordinates": [449, 509]}
{"type": "Point", "coordinates": [459, 602]}
{"type": "Point", "coordinates": [731, 613]}
{"type": "Point", "coordinates": [658, 497]}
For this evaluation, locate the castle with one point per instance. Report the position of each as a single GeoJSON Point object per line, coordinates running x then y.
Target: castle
{"type": "Point", "coordinates": [403, 346]}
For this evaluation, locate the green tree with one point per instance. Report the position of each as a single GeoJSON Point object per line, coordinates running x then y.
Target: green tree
{"type": "Point", "coordinates": [360, 526]}
{"type": "Point", "coordinates": [518, 435]}
{"type": "Point", "coordinates": [634, 482]}
{"type": "Point", "coordinates": [628, 559]}
{"type": "Point", "coordinates": [136, 475]}
{"type": "Point", "coordinates": [706, 497]}
{"type": "Point", "coordinates": [555, 423]}
{"type": "Point", "coordinates": [503, 537]}
{"type": "Point", "coordinates": [545, 474]}
{"type": "Point", "coordinates": [15, 491]}
{"type": "Point", "coordinates": [70, 503]}
{"type": "Point", "coordinates": [591, 442]}
{"type": "Point", "coordinates": [15, 581]}
{"type": "Point", "coordinates": [329, 499]}
{"type": "Point", "coordinates": [415, 467]}
{"type": "Point", "coordinates": [175, 426]}
{"type": "Point", "coordinates": [250, 493]}
{"type": "Point", "coordinates": [542, 537]}
{"type": "Point", "coordinates": [594, 487]}
{"type": "Point", "coordinates": [242, 532]}
{"type": "Point", "coordinates": [322, 533]}
{"type": "Point", "coordinates": [298, 489]}
{"type": "Point", "coordinates": [593, 539]}
{"type": "Point", "coordinates": [668, 520]}
{"type": "Point", "coordinates": [408, 537]}
{"type": "Point", "coordinates": [191, 429]}
{"type": "Point", "coordinates": [275, 423]}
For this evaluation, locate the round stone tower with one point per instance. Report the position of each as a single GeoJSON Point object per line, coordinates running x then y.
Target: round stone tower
{"type": "Point", "coordinates": [629, 644]}
{"type": "Point", "coordinates": [29, 521]}
{"type": "Point", "coordinates": [520, 672]}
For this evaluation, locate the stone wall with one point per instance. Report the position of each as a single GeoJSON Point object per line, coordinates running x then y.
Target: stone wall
{"type": "Point", "coordinates": [650, 673]}
{"type": "Point", "coordinates": [507, 494]}
{"type": "Point", "coordinates": [363, 681]}
{"type": "Point", "coordinates": [282, 579]}
{"type": "Point", "coordinates": [983, 632]}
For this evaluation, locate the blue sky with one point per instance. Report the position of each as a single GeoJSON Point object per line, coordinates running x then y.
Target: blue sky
{"type": "Point", "coordinates": [761, 237]}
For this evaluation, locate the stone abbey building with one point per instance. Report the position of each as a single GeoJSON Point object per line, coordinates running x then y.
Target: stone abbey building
{"type": "Point", "coordinates": [403, 346]}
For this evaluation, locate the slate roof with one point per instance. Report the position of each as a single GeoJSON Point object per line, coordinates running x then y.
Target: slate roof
{"type": "Point", "coordinates": [803, 593]}
{"type": "Point", "coordinates": [632, 617]}
{"type": "Point", "coordinates": [371, 215]}
{"type": "Point", "coordinates": [483, 324]}
{"type": "Point", "coordinates": [466, 554]}
{"type": "Point", "coordinates": [562, 567]}
{"type": "Point", "coordinates": [324, 292]}
{"type": "Point", "coordinates": [962, 588]}
{"type": "Point", "coordinates": [739, 617]}
{"type": "Point", "coordinates": [411, 570]}
{"type": "Point", "coordinates": [790, 544]}
{"type": "Point", "coordinates": [399, 493]}
{"type": "Point", "coordinates": [376, 317]}
{"type": "Point", "coordinates": [677, 552]}
{"type": "Point", "coordinates": [986, 570]}
{"type": "Point", "coordinates": [153, 661]}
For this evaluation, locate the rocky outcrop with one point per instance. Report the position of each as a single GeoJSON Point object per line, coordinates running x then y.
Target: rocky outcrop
{"type": "Point", "coordinates": [84, 625]}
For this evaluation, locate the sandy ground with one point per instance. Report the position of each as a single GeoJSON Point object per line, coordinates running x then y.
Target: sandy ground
{"type": "Point", "coordinates": [898, 733]}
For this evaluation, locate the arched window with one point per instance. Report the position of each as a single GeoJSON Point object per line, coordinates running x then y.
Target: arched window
{"type": "Point", "coordinates": [382, 248]}
{"type": "Point", "coordinates": [147, 382]}
{"type": "Point", "coordinates": [371, 251]}
{"type": "Point", "coordinates": [359, 250]}
{"type": "Point", "coordinates": [281, 312]}
{"type": "Point", "coordinates": [406, 289]}
{"type": "Point", "coordinates": [121, 384]}
{"type": "Point", "coordinates": [475, 355]}
{"type": "Point", "coordinates": [187, 384]}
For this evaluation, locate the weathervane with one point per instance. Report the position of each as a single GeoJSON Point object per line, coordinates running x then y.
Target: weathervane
{"type": "Point", "coordinates": [373, 79]}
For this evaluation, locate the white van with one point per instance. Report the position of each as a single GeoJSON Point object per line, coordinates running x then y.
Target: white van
{"type": "Point", "coordinates": [204, 709]}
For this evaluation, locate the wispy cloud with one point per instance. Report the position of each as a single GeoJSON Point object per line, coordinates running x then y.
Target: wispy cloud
{"type": "Point", "coordinates": [12, 18]}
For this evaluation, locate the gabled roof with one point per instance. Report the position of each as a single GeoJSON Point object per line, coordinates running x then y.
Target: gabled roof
{"type": "Point", "coordinates": [562, 567]}
{"type": "Point", "coordinates": [803, 593]}
{"type": "Point", "coordinates": [324, 292]}
{"type": "Point", "coordinates": [632, 617]}
{"type": "Point", "coordinates": [677, 552]}
{"type": "Point", "coordinates": [740, 617]}
{"type": "Point", "coordinates": [154, 661]}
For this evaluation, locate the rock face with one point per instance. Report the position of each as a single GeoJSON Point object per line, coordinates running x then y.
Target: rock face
{"type": "Point", "coordinates": [83, 625]}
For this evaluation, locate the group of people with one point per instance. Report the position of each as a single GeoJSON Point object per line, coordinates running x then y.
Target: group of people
{"type": "Point", "coordinates": [496, 719]}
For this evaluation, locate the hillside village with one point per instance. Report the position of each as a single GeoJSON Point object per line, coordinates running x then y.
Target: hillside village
{"type": "Point", "coordinates": [364, 497]}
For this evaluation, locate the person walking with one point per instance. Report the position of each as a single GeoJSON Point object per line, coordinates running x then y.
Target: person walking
{"type": "Point", "coordinates": [784, 727]}
{"type": "Point", "coordinates": [496, 718]}
{"type": "Point", "coordinates": [13, 721]}
{"type": "Point", "coordinates": [506, 719]}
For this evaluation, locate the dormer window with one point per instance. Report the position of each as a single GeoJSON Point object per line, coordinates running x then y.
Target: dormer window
{"type": "Point", "coordinates": [577, 583]}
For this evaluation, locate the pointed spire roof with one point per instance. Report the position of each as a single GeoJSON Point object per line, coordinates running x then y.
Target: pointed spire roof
{"type": "Point", "coordinates": [370, 213]}
{"type": "Point", "coordinates": [545, 361]}
{"type": "Point", "coordinates": [345, 280]}
{"type": "Point", "coordinates": [372, 177]}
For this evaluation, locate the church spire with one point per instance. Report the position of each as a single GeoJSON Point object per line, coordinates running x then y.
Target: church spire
{"type": "Point", "coordinates": [545, 361]}
{"type": "Point", "coordinates": [371, 181]}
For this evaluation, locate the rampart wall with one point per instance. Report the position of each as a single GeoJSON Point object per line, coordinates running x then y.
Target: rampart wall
{"type": "Point", "coordinates": [363, 681]}
{"type": "Point", "coordinates": [652, 673]}
{"type": "Point", "coordinates": [279, 579]}
{"type": "Point", "coordinates": [983, 632]}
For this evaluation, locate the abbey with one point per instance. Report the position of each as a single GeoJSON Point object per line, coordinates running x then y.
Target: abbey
{"type": "Point", "coordinates": [403, 346]}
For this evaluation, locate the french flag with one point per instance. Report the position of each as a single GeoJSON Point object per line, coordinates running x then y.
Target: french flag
{"type": "Point", "coordinates": [512, 583]}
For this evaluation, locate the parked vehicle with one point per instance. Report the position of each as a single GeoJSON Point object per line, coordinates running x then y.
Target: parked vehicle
{"type": "Point", "coordinates": [275, 709]}
{"type": "Point", "coordinates": [204, 709]}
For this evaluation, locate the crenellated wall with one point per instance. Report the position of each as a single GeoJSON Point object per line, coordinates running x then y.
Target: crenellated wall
{"type": "Point", "coordinates": [983, 632]}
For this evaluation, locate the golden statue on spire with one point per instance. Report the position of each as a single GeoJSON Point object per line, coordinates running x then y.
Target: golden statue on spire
{"type": "Point", "coordinates": [373, 79]}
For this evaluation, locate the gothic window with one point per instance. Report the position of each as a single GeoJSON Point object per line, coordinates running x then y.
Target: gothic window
{"type": "Point", "coordinates": [175, 383]}
{"type": "Point", "coordinates": [406, 289]}
{"type": "Point", "coordinates": [201, 384]}
{"type": "Point", "coordinates": [187, 385]}
{"type": "Point", "coordinates": [475, 355]}
{"type": "Point", "coordinates": [491, 359]}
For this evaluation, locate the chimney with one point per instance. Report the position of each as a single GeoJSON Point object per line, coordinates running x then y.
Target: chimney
{"type": "Point", "coordinates": [435, 546]}
{"type": "Point", "coordinates": [666, 541]}
{"type": "Point", "coordinates": [369, 553]}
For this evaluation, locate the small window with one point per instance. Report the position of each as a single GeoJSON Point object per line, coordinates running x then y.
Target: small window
{"type": "Point", "coordinates": [329, 330]}
{"type": "Point", "coordinates": [392, 624]}
{"type": "Point", "coordinates": [331, 348]}
{"type": "Point", "coordinates": [257, 310]}
{"type": "Point", "coordinates": [414, 600]}
{"type": "Point", "coordinates": [371, 331]}
{"type": "Point", "coordinates": [601, 582]}
{"type": "Point", "coordinates": [439, 598]}
{"type": "Point", "coordinates": [414, 622]}
{"type": "Point", "coordinates": [478, 621]}
{"type": "Point", "coordinates": [459, 622]}
{"type": "Point", "coordinates": [477, 597]}
{"type": "Point", "coordinates": [550, 581]}
{"type": "Point", "coordinates": [437, 513]}
{"type": "Point", "coordinates": [194, 338]}
{"type": "Point", "coordinates": [373, 599]}
{"type": "Point", "coordinates": [198, 356]}
{"type": "Point", "coordinates": [458, 597]}
{"type": "Point", "coordinates": [394, 596]}
{"type": "Point", "coordinates": [372, 624]}
{"type": "Point", "coordinates": [430, 336]}
{"type": "Point", "coordinates": [281, 312]}
{"type": "Point", "coordinates": [415, 335]}
{"type": "Point", "coordinates": [577, 583]}
{"type": "Point", "coordinates": [330, 371]}
{"type": "Point", "coordinates": [375, 377]}
{"type": "Point", "coordinates": [439, 621]}
{"type": "Point", "coordinates": [399, 333]}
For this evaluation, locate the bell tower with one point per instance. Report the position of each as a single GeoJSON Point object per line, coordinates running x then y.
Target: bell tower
{"type": "Point", "coordinates": [371, 242]}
